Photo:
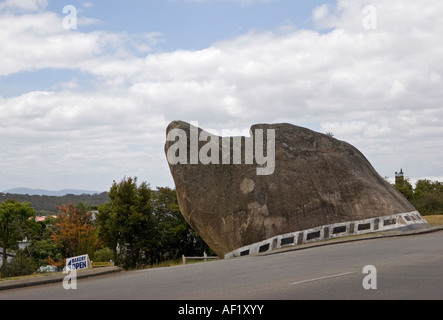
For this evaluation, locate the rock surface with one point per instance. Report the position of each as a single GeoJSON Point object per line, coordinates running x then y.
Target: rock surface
{"type": "Point", "coordinates": [317, 180]}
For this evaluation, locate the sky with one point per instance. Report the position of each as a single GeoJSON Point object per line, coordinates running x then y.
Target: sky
{"type": "Point", "coordinates": [86, 94]}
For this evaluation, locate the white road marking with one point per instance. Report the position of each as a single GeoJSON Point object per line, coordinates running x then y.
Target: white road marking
{"type": "Point", "coordinates": [322, 278]}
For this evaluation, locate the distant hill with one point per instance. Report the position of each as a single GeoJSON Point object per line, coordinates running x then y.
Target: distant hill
{"type": "Point", "coordinates": [41, 192]}
{"type": "Point", "coordinates": [48, 204]}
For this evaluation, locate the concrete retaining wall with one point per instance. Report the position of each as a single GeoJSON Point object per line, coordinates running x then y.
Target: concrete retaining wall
{"type": "Point", "coordinates": [331, 231]}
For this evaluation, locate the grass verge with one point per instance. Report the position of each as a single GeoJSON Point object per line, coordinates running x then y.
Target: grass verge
{"type": "Point", "coordinates": [435, 220]}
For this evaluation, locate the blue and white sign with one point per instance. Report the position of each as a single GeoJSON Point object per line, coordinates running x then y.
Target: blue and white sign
{"type": "Point", "coordinates": [78, 263]}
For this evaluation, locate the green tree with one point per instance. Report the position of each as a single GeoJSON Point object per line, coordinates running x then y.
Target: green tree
{"type": "Point", "coordinates": [177, 237]}
{"type": "Point", "coordinates": [425, 186]}
{"type": "Point", "coordinates": [42, 248]}
{"type": "Point", "coordinates": [127, 224]}
{"type": "Point", "coordinates": [405, 188]}
{"type": "Point", "coordinates": [44, 252]}
{"type": "Point", "coordinates": [428, 197]}
{"type": "Point", "coordinates": [16, 221]}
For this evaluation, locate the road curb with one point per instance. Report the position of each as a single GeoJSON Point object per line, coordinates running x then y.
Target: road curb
{"type": "Point", "coordinates": [58, 278]}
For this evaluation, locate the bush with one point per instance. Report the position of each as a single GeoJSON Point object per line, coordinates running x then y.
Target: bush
{"type": "Point", "coordinates": [429, 204]}
{"type": "Point", "coordinates": [20, 265]}
{"type": "Point", "coordinates": [103, 255]}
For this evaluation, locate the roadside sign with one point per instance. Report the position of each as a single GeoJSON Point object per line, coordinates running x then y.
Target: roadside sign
{"type": "Point", "coordinates": [78, 263]}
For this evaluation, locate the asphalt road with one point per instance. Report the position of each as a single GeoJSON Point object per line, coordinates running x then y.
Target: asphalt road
{"type": "Point", "coordinates": [409, 267]}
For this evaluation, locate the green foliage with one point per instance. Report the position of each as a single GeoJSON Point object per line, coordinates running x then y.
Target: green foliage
{"type": "Point", "coordinates": [44, 252]}
{"type": "Point", "coordinates": [15, 225]}
{"type": "Point", "coordinates": [176, 236]}
{"type": "Point", "coordinates": [22, 264]}
{"type": "Point", "coordinates": [405, 188]}
{"type": "Point", "coordinates": [103, 255]}
{"type": "Point", "coordinates": [427, 197]}
{"type": "Point", "coordinates": [127, 221]}
{"type": "Point", "coordinates": [42, 248]}
{"type": "Point", "coordinates": [144, 227]}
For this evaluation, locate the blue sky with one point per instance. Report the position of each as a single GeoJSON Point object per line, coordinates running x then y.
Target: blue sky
{"type": "Point", "coordinates": [81, 108]}
{"type": "Point", "coordinates": [195, 25]}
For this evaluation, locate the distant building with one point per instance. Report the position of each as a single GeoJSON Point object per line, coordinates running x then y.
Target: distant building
{"type": "Point", "coordinates": [43, 218]}
{"type": "Point", "coordinates": [399, 176]}
{"type": "Point", "coordinates": [93, 214]}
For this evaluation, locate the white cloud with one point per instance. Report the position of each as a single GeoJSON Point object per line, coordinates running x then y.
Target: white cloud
{"type": "Point", "coordinates": [38, 41]}
{"type": "Point", "coordinates": [377, 89]}
{"type": "Point", "coordinates": [321, 12]}
{"type": "Point", "coordinates": [23, 5]}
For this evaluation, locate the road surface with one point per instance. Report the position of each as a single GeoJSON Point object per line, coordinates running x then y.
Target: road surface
{"type": "Point", "coordinates": [408, 267]}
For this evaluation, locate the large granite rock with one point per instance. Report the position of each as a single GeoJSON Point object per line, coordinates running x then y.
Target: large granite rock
{"type": "Point", "coordinates": [317, 180]}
